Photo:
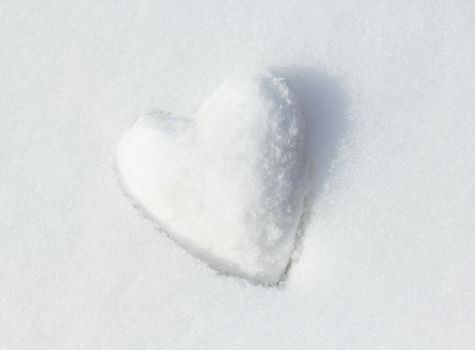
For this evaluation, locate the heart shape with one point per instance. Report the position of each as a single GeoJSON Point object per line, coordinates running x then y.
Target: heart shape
{"type": "Point", "coordinates": [230, 185]}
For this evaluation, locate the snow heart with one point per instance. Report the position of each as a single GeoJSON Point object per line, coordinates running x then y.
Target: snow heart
{"type": "Point", "coordinates": [230, 185]}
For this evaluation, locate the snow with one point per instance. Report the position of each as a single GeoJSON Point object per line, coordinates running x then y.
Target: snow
{"type": "Point", "coordinates": [230, 186]}
{"type": "Point", "coordinates": [387, 259]}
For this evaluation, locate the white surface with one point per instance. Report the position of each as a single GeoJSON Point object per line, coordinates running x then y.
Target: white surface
{"type": "Point", "coordinates": [388, 257]}
{"type": "Point", "coordinates": [230, 186]}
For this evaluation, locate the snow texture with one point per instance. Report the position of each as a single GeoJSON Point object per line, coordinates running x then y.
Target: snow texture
{"type": "Point", "coordinates": [387, 90]}
{"type": "Point", "coordinates": [229, 187]}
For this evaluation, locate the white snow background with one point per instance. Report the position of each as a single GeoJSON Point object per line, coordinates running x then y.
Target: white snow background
{"type": "Point", "coordinates": [388, 258]}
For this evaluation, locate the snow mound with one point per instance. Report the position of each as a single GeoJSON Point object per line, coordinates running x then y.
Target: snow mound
{"type": "Point", "coordinates": [229, 186]}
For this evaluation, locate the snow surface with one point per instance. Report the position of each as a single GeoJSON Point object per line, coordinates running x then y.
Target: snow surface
{"type": "Point", "coordinates": [388, 256]}
{"type": "Point", "coordinates": [229, 187]}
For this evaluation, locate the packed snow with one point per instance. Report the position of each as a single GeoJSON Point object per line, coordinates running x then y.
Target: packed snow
{"type": "Point", "coordinates": [387, 91]}
{"type": "Point", "coordinates": [229, 187]}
